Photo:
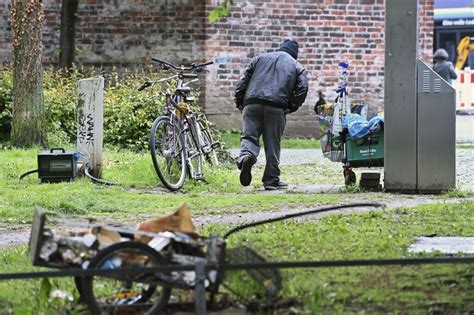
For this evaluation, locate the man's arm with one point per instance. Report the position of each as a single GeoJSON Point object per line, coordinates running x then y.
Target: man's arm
{"type": "Point", "coordinates": [300, 92]}
{"type": "Point", "coordinates": [243, 83]}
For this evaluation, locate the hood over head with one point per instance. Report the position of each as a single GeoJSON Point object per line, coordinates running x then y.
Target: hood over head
{"type": "Point", "coordinates": [290, 46]}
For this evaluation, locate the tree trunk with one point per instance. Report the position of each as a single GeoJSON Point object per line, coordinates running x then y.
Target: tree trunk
{"type": "Point", "coordinates": [68, 33]}
{"type": "Point", "coordinates": [28, 111]}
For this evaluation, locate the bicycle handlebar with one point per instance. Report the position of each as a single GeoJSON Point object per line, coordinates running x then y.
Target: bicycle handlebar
{"type": "Point", "coordinates": [183, 68]}
{"type": "Point", "coordinates": [206, 64]}
{"type": "Point", "coordinates": [144, 85]}
{"type": "Point", "coordinates": [198, 67]}
{"type": "Point", "coordinates": [148, 83]}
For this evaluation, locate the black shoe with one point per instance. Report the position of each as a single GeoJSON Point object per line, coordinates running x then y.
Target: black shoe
{"type": "Point", "coordinates": [276, 186]}
{"type": "Point", "coordinates": [282, 184]}
{"type": "Point", "coordinates": [246, 171]}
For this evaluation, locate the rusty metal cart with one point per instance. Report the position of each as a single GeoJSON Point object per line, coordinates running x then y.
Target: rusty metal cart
{"type": "Point", "coordinates": [336, 142]}
{"type": "Point", "coordinates": [113, 247]}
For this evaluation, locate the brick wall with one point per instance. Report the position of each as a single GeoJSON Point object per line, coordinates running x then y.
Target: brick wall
{"type": "Point", "coordinates": [131, 31]}
{"type": "Point", "coordinates": [121, 31]}
{"type": "Point", "coordinates": [426, 31]}
{"type": "Point", "coordinates": [328, 31]}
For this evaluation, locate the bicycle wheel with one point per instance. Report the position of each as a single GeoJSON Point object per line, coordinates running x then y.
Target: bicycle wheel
{"type": "Point", "coordinates": [166, 148]}
{"type": "Point", "coordinates": [137, 293]}
{"type": "Point", "coordinates": [209, 148]}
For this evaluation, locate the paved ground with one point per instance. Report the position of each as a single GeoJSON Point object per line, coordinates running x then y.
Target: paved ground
{"type": "Point", "coordinates": [19, 235]}
{"type": "Point", "coordinates": [465, 169]}
{"type": "Point", "coordinates": [464, 162]}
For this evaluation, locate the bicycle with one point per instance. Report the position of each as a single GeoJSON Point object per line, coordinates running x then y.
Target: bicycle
{"type": "Point", "coordinates": [180, 139]}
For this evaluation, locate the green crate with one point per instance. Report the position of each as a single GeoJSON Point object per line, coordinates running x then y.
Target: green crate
{"type": "Point", "coordinates": [365, 151]}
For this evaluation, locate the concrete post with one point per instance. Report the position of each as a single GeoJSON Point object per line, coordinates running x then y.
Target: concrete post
{"type": "Point", "coordinates": [90, 121]}
{"type": "Point", "coordinates": [401, 43]}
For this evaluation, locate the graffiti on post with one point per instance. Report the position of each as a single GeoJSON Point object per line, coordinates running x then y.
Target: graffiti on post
{"type": "Point", "coordinates": [86, 128]}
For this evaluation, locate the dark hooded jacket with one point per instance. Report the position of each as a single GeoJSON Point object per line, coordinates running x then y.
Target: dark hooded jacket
{"type": "Point", "coordinates": [444, 68]}
{"type": "Point", "coordinates": [276, 79]}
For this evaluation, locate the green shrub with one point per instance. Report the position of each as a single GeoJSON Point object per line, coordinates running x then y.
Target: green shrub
{"type": "Point", "coordinates": [60, 99]}
{"type": "Point", "coordinates": [5, 102]}
{"type": "Point", "coordinates": [128, 113]}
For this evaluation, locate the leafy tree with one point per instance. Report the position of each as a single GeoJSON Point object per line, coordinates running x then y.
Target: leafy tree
{"type": "Point", "coordinates": [221, 11]}
{"type": "Point", "coordinates": [28, 112]}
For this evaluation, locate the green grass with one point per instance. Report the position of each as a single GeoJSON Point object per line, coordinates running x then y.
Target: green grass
{"type": "Point", "coordinates": [426, 289]}
{"type": "Point", "coordinates": [32, 296]}
{"type": "Point", "coordinates": [465, 146]}
{"type": "Point", "coordinates": [456, 193]}
{"type": "Point", "coordinates": [448, 289]}
{"type": "Point", "coordinates": [232, 140]}
{"type": "Point", "coordinates": [81, 197]}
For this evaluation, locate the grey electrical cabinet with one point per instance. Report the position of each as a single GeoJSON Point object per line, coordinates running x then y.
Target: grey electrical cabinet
{"type": "Point", "coordinates": [420, 121]}
{"type": "Point", "coordinates": [421, 137]}
{"type": "Point", "coordinates": [436, 131]}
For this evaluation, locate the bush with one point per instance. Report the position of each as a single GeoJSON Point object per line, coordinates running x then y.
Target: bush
{"type": "Point", "coordinates": [128, 114]}
{"type": "Point", "coordinates": [6, 85]}
{"type": "Point", "coordinates": [60, 99]}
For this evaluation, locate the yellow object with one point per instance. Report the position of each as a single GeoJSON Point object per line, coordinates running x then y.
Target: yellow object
{"type": "Point", "coordinates": [464, 48]}
{"type": "Point", "coordinates": [326, 109]}
{"type": "Point", "coordinates": [125, 295]}
{"type": "Point", "coordinates": [183, 108]}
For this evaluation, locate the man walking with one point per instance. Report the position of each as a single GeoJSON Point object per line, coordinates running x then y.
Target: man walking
{"type": "Point", "coordinates": [274, 85]}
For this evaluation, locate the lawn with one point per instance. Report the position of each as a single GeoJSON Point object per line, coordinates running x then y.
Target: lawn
{"type": "Point", "coordinates": [422, 289]}
{"type": "Point", "coordinates": [138, 195]}
{"type": "Point", "coordinates": [231, 138]}
{"type": "Point", "coordinates": [427, 289]}
{"type": "Point", "coordinates": [440, 289]}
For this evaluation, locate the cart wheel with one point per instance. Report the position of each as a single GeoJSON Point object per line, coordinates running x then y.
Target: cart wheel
{"type": "Point", "coordinates": [349, 178]}
{"type": "Point", "coordinates": [78, 282]}
{"type": "Point", "coordinates": [139, 293]}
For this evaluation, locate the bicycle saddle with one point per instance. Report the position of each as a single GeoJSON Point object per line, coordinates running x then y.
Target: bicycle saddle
{"type": "Point", "coordinates": [184, 90]}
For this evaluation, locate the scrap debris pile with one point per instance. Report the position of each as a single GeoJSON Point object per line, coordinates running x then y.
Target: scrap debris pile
{"type": "Point", "coordinates": [170, 240]}
{"type": "Point", "coordinates": [173, 236]}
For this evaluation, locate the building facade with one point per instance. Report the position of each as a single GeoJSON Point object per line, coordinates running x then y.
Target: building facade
{"type": "Point", "coordinates": [130, 32]}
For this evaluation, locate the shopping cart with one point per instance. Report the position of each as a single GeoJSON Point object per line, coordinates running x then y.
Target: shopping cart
{"type": "Point", "coordinates": [337, 144]}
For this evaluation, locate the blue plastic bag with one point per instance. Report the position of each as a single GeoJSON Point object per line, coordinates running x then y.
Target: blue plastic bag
{"type": "Point", "coordinates": [359, 127]}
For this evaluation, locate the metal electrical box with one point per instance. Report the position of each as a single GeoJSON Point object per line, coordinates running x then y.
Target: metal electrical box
{"type": "Point", "coordinates": [436, 131]}
{"type": "Point", "coordinates": [420, 125]}
{"type": "Point", "coordinates": [430, 148]}
{"type": "Point", "coordinates": [57, 165]}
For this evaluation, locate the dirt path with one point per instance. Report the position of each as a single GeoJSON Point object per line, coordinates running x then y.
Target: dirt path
{"type": "Point", "coordinates": [389, 202]}
{"type": "Point", "coordinates": [18, 235]}
{"type": "Point", "coordinates": [12, 237]}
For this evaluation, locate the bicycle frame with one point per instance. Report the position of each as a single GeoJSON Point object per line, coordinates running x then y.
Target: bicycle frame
{"type": "Point", "coordinates": [185, 122]}
{"type": "Point", "coordinates": [183, 135]}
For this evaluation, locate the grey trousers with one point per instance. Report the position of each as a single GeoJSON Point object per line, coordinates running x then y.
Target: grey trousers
{"type": "Point", "coordinates": [267, 121]}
